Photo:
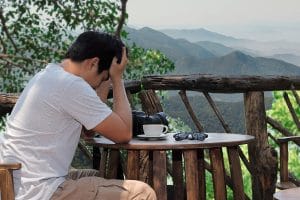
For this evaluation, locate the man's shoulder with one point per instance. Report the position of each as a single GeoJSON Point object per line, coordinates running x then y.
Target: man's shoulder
{"type": "Point", "coordinates": [58, 74]}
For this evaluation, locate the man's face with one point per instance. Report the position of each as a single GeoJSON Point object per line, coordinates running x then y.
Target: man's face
{"type": "Point", "coordinates": [91, 74]}
{"type": "Point", "coordinates": [96, 79]}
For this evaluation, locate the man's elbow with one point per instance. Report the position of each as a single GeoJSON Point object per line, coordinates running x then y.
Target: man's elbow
{"type": "Point", "coordinates": [125, 138]}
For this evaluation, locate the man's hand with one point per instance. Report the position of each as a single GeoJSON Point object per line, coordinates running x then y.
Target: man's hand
{"type": "Point", "coordinates": [116, 70]}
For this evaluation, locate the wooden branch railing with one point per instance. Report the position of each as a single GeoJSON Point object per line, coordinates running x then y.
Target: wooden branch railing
{"type": "Point", "coordinates": [291, 109]}
{"type": "Point", "coordinates": [221, 84]}
{"type": "Point", "coordinates": [200, 82]}
{"type": "Point", "coordinates": [263, 160]}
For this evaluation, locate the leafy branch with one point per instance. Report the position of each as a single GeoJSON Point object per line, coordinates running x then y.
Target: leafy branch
{"type": "Point", "coordinates": [3, 22]}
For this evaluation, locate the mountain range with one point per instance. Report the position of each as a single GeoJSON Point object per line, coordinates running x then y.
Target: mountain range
{"type": "Point", "coordinates": [265, 49]}
{"type": "Point", "coordinates": [212, 54]}
{"type": "Point", "coordinates": [205, 52]}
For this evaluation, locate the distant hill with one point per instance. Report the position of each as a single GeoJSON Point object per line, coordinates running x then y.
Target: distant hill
{"type": "Point", "coordinates": [238, 63]}
{"type": "Point", "coordinates": [290, 58]}
{"type": "Point", "coordinates": [216, 48]}
{"type": "Point", "coordinates": [201, 34]}
{"type": "Point", "coordinates": [255, 47]}
{"type": "Point", "coordinates": [193, 58]}
{"type": "Point", "coordinates": [174, 49]}
{"type": "Point", "coordinates": [232, 112]}
{"type": "Point", "coordinates": [211, 55]}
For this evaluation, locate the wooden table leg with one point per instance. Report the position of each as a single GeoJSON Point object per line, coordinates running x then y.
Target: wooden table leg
{"type": "Point", "coordinates": [217, 164]}
{"type": "Point", "coordinates": [96, 158]}
{"type": "Point", "coordinates": [132, 170]}
{"type": "Point", "coordinates": [160, 174]}
{"type": "Point", "coordinates": [191, 174]}
{"type": "Point", "coordinates": [150, 172]}
{"type": "Point", "coordinates": [103, 163]}
{"type": "Point", "coordinates": [236, 173]}
{"type": "Point", "coordinates": [113, 164]}
{"type": "Point", "coordinates": [177, 175]}
{"type": "Point", "coordinates": [201, 171]}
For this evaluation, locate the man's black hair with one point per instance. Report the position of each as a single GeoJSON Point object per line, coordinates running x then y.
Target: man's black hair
{"type": "Point", "coordinates": [92, 44]}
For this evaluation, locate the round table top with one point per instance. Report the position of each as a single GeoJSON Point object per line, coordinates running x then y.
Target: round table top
{"type": "Point", "coordinates": [168, 143]}
{"type": "Point", "coordinates": [288, 194]}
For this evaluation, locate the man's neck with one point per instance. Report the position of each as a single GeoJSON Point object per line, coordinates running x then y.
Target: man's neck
{"type": "Point", "coordinates": [71, 67]}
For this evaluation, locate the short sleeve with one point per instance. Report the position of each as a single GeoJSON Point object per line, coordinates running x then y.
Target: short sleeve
{"type": "Point", "coordinates": [82, 103]}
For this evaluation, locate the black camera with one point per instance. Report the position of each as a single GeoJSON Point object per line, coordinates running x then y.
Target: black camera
{"type": "Point", "coordinates": [139, 118]}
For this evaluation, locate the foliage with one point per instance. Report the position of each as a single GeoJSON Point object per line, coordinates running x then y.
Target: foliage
{"type": "Point", "coordinates": [281, 113]}
{"type": "Point", "coordinates": [36, 32]}
{"type": "Point", "coordinates": [143, 62]}
{"type": "Point", "coordinates": [54, 25]}
{"type": "Point", "coordinates": [177, 125]}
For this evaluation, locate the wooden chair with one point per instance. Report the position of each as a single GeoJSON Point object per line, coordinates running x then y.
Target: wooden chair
{"type": "Point", "coordinates": [285, 182]}
{"type": "Point", "coordinates": [6, 183]}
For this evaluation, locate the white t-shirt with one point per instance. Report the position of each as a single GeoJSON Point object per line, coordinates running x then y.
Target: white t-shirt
{"type": "Point", "coordinates": [44, 128]}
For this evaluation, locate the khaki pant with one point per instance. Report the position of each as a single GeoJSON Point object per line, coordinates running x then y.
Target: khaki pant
{"type": "Point", "coordinates": [85, 185]}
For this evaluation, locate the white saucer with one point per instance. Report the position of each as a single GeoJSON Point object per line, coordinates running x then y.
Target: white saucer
{"type": "Point", "coordinates": [148, 137]}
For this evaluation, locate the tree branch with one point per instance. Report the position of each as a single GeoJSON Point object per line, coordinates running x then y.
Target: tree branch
{"type": "Point", "coordinates": [2, 19]}
{"type": "Point", "coordinates": [3, 45]}
{"type": "Point", "coordinates": [122, 19]}
{"type": "Point", "coordinates": [9, 64]}
{"type": "Point", "coordinates": [4, 56]}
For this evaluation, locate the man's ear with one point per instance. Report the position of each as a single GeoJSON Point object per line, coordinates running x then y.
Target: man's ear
{"type": "Point", "coordinates": [95, 61]}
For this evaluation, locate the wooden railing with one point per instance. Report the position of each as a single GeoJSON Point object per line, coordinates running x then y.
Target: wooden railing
{"type": "Point", "coordinates": [263, 161]}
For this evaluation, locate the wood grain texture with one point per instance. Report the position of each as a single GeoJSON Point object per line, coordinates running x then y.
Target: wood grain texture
{"type": "Point", "coordinates": [132, 170]}
{"type": "Point", "coordinates": [218, 173]}
{"type": "Point", "coordinates": [236, 173]}
{"type": "Point", "coordinates": [263, 158]}
{"type": "Point", "coordinates": [160, 174]}
{"type": "Point", "coordinates": [178, 175]}
{"type": "Point", "coordinates": [191, 174]}
{"type": "Point", "coordinates": [6, 183]}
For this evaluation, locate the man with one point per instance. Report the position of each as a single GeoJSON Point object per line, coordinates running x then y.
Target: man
{"type": "Point", "coordinates": [44, 127]}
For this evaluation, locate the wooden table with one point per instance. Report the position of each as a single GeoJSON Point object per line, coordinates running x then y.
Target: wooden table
{"type": "Point", "coordinates": [288, 194]}
{"type": "Point", "coordinates": [193, 154]}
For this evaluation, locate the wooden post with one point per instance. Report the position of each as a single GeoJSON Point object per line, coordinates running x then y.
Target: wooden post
{"type": "Point", "coordinates": [263, 158]}
{"type": "Point", "coordinates": [191, 173]}
{"type": "Point", "coordinates": [150, 104]}
{"type": "Point", "coordinates": [284, 157]}
{"type": "Point", "coordinates": [160, 174]}
{"type": "Point", "coordinates": [177, 175]}
{"type": "Point", "coordinates": [218, 173]}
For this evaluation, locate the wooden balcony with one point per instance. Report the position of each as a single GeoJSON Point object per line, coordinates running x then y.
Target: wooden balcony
{"type": "Point", "coordinates": [262, 161]}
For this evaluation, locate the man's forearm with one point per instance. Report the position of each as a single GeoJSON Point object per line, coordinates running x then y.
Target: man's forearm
{"type": "Point", "coordinates": [121, 104]}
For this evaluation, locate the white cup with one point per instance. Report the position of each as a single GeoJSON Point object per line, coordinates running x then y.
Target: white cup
{"type": "Point", "coordinates": [154, 129]}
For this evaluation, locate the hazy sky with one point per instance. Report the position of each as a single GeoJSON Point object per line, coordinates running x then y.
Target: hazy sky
{"type": "Point", "coordinates": [253, 19]}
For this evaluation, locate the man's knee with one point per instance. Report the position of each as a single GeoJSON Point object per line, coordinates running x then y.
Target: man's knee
{"type": "Point", "coordinates": [143, 190]}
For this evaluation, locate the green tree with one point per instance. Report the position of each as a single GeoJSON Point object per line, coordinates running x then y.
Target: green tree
{"type": "Point", "coordinates": [281, 113]}
{"type": "Point", "coordinates": [35, 32]}
{"type": "Point", "coordinates": [143, 62]}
